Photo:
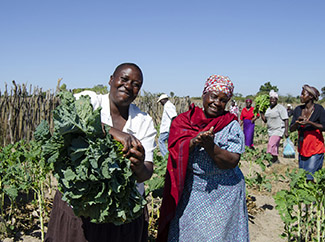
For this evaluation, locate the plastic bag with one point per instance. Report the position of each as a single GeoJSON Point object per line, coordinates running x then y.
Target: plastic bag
{"type": "Point", "coordinates": [288, 149]}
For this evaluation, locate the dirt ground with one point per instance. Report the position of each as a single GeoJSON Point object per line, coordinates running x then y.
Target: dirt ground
{"type": "Point", "coordinates": [266, 226]}
{"type": "Point", "coordinates": [265, 223]}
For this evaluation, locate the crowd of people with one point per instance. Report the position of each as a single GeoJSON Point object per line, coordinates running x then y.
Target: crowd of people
{"type": "Point", "coordinates": [204, 194]}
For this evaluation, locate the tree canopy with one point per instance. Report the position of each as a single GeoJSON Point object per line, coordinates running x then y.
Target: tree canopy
{"type": "Point", "coordinates": [267, 87]}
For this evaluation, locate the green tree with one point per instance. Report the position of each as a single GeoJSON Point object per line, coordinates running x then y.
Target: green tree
{"type": "Point", "coordinates": [267, 87]}
{"type": "Point", "coordinates": [100, 89]}
{"type": "Point", "coordinates": [63, 87]}
{"type": "Point", "coordinates": [323, 92]}
{"type": "Point", "coordinates": [290, 99]}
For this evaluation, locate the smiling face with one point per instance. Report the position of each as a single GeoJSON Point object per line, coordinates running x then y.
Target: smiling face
{"type": "Point", "coordinates": [125, 85]}
{"type": "Point", "coordinates": [214, 104]}
{"type": "Point", "coordinates": [273, 101]}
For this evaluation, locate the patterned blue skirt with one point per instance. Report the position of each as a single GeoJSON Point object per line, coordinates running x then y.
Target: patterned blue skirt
{"type": "Point", "coordinates": [213, 204]}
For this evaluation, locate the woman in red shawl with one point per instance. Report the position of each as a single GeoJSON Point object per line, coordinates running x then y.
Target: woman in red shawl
{"type": "Point", "coordinates": [204, 195]}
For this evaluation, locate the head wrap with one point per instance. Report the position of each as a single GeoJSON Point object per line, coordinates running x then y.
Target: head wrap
{"type": "Point", "coordinates": [249, 100]}
{"type": "Point", "coordinates": [312, 91]}
{"type": "Point", "coordinates": [274, 94]}
{"type": "Point", "coordinates": [219, 83]}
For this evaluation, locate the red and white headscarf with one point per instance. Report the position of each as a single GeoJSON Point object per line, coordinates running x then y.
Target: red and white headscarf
{"type": "Point", "coordinates": [219, 83]}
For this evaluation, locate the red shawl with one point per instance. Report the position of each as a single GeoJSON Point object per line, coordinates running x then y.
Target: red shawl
{"type": "Point", "coordinates": [183, 128]}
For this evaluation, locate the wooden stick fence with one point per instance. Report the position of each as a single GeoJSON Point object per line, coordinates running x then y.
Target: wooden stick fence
{"type": "Point", "coordinates": [21, 111]}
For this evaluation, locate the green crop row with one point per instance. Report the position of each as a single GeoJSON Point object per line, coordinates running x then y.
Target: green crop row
{"type": "Point", "coordinates": [23, 173]}
{"type": "Point", "coordinates": [302, 207]}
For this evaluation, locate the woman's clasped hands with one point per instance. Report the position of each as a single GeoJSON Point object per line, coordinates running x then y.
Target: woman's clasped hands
{"type": "Point", "coordinates": [204, 139]}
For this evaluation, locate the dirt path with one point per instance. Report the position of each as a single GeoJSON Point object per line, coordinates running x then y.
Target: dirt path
{"type": "Point", "coordinates": [267, 225]}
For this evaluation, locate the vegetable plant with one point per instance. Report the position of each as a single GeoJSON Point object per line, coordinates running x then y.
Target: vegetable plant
{"type": "Point", "coordinates": [93, 175]}
{"type": "Point", "coordinates": [302, 206]}
{"type": "Point", "coordinates": [262, 102]}
{"type": "Point", "coordinates": [154, 189]}
{"type": "Point", "coordinates": [253, 178]}
{"type": "Point", "coordinates": [23, 173]}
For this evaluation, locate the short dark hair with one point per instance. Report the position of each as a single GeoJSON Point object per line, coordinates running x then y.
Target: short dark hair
{"type": "Point", "coordinates": [127, 64]}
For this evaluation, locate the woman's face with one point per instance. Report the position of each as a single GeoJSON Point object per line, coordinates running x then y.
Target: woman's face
{"type": "Point", "coordinates": [273, 101]}
{"type": "Point", "coordinates": [214, 104]}
{"type": "Point", "coordinates": [248, 104]}
{"type": "Point", "coordinates": [125, 85]}
{"type": "Point", "coordinates": [305, 96]}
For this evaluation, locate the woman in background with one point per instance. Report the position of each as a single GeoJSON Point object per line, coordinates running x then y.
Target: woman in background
{"type": "Point", "coordinates": [234, 108]}
{"type": "Point", "coordinates": [276, 117]}
{"type": "Point", "coordinates": [309, 120]}
{"type": "Point", "coordinates": [247, 119]}
{"type": "Point", "coordinates": [204, 195]}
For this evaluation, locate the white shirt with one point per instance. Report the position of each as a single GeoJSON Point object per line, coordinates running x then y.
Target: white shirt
{"type": "Point", "coordinates": [139, 124]}
{"type": "Point", "coordinates": [168, 114]}
{"type": "Point", "coordinates": [275, 120]}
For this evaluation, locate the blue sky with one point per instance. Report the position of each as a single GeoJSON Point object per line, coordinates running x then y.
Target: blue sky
{"type": "Point", "coordinates": [178, 44]}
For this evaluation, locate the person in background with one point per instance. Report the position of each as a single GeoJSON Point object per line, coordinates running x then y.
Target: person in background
{"type": "Point", "coordinates": [276, 117]}
{"type": "Point", "coordinates": [135, 130]}
{"type": "Point", "coordinates": [234, 108]}
{"type": "Point", "coordinates": [168, 115]}
{"type": "Point", "coordinates": [204, 195]}
{"type": "Point", "coordinates": [289, 110]}
{"type": "Point", "coordinates": [309, 120]}
{"type": "Point", "coordinates": [247, 119]}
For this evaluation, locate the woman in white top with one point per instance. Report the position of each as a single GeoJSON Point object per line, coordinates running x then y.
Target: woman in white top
{"type": "Point", "coordinates": [276, 117]}
{"type": "Point", "coordinates": [135, 130]}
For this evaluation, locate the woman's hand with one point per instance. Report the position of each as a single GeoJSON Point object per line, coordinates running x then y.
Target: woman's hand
{"type": "Point", "coordinates": [254, 119]}
{"type": "Point", "coordinates": [223, 158]}
{"type": "Point", "coordinates": [128, 141]}
{"type": "Point", "coordinates": [262, 117]}
{"type": "Point", "coordinates": [204, 139]}
{"type": "Point", "coordinates": [136, 156]}
{"type": "Point", "coordinates": [302, 120]}
{"type": "Point", "coordinates": [134, 151]}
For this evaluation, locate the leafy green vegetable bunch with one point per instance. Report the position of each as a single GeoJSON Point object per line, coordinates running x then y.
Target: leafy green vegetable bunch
{"type": "Point", "coordinates": [93, 176]}
{"type": "Point", "coordinates": [262, 102]}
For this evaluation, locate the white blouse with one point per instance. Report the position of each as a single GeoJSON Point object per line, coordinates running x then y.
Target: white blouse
{"type": "Point", "coordinates": [139, 124]}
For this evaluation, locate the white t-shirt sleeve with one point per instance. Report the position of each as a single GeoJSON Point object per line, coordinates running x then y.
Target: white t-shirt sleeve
{"type": "Point", "coordinates": [283, 113]}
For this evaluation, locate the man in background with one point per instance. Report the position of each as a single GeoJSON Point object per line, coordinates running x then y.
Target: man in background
{"type": "Point", "coordinates": [289, 110]}
{"type": "Point", "coordinates": [168, 115]}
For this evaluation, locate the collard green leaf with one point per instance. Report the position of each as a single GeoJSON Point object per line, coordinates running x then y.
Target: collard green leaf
{"type": "Point", "coordinates": [93, 176]}
{"type": "Point", "coordinates": [42, 132]}
{"type": "Point", "coordinates": [262, 102]}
